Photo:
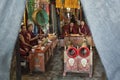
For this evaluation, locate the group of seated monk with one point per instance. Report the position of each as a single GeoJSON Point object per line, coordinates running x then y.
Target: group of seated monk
{"type": "Point", "coordinates": [27, 39]}
{"type": "Point", "coordinates": [72, 28]}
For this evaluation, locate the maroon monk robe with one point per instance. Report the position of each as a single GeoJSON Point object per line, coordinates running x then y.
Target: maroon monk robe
{"type": "Point", "coordinates": [34, 42]}
{"type": "Point", "coordinates": [22, 46]}
{"type": "Point", "coordinates": [85, 30]}
{"type": "Point", "coordinates": [65, 30]}
{"type": "Point", "coordinates": [88, 31]}
{"type": "Point", "coordinates": [73, 30]}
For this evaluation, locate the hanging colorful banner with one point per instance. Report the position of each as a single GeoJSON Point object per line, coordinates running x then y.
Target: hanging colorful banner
{"type": "Point", "coordinates": [59, 4]}
{"type": "Point", "coordinates": [44, 1]}
{"type": "Point", "coordinates": [30, 9]}
{"type": "Point", "coordinates": [71, 4]}
{"type": "Point", "coordinates": [40, 17]}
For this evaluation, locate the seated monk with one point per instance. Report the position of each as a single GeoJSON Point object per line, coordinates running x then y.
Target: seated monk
{"type": "Point", "coordinates": [24, 43]}
{"type": "Point", "coordinates": [65, 30]}
{"type": "Point", "coordinates": [32, 37]}
{"type": "Point", "coordinates": [84, 29]}
{"type": "Point", "coordinates": [72, 28]}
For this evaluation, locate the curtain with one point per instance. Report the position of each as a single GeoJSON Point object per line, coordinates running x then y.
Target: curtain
{"type": "Point", "coordinates": [103, 17]}
{"type": "Point", "coordinates": [11, 12]}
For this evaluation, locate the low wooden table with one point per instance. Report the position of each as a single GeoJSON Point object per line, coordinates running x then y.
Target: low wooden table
{"type": "Point", "coordinates": [39, 58]}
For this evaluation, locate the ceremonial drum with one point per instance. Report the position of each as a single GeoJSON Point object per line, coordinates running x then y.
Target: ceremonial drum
{"type": "Point", "coordinates": [70, 60]}
{"type": "Point", "coordinates": [78, 59]}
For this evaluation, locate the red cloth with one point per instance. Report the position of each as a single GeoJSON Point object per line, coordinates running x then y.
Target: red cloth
{"type": "Point", "coordinates": [31, 34]}
{"type": "Point", "coordinates": [74, 30]}
{"type": "Point", "coordinates": [26, 38]}
{"type": "Point", "coordinates": [22, 45]}
{"type": "Point", "coordinates": [85, 30]}
{"type": "Point", "coordinates": [66, 28]}
{"type": "Point", "coordinates": [88, 31]}
{"type": "Point", "coordinates": [34, 42]}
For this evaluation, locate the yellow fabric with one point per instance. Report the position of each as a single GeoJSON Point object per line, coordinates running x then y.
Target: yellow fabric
{"type": "Point", "coordinates": [71, 4]}
{"type": "Point", "coordinates": [59, 4]}
{"type": "Point", "coordinates": [67, 4]}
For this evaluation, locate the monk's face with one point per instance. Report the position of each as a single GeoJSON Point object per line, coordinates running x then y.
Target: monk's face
{"type": "Point", "coordinates": [71, 24]}
{"type": "Point", "coordinates": [82, 23]}
{"type": "Point", "coordinates": [24, 28]}
{"type": "Point", "coordinates": [30, 28]}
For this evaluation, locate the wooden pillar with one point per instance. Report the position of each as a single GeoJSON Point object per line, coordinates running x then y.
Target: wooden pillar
{"type": "Point", "coordinates": [25, 17]}
{"type": "Point", "coordinates": [81, 12]}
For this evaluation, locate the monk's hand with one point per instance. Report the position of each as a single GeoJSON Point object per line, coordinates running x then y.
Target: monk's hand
{"type": "Point", "coordinates": [37, 36]}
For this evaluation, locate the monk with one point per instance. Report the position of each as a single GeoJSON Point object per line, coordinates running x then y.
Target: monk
{"type": "Point", "coordinates": [24, 43]}
{"type": "Point", "coordinates": [65, 30]}
{"type": "Point", "coordinates": [84, 29]}
{"type": "Point", "coordinates": [72, 28]}
{"type": "Point", "coordinates": [32, 37]}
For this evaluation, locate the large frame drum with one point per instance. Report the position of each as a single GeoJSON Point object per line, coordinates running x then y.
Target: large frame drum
{"type": "Point", "coordinates": [78, 59]}
{"type": "Point", "coordinates": [70, 60]}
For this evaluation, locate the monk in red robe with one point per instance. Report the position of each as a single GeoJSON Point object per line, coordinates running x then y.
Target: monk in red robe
{"type": "Point", "coordinates": [24, 43]}
{"type": "Point", "coordinates": [84, 29]}
{"type": "Point", "coordinates": [72, 28]}
{"type": "Point", "coordinates": [32, 37]}
{"type": "Point", "coordinates": [65, 30]}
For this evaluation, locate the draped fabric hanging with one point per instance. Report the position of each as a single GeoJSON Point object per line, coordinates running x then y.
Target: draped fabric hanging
{"type": "Point", "coordinates": [47, 9]}
{"type": "Point", "coordinates": [71, 4]}
{"type": "Point", "coordinates": [40, 17]}
{"type": "Point", "coordinates": [59, 4]}
{"type": "Point", "coordinates": [67, 4]}
{"type": "Point", "coordinates": [11, 14]}
{"type": "Point", "coordinates": [40, 14]}
{"type": "Point", "coordinates": [74, 4]}
{"type": "Point", "coordinates": [30, 9]}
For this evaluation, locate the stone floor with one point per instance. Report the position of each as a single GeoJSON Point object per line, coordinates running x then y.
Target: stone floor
{"type": "Point", "coordinates": [55, 70]}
